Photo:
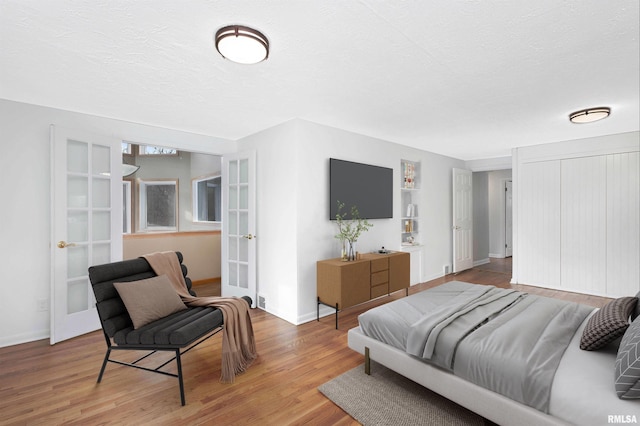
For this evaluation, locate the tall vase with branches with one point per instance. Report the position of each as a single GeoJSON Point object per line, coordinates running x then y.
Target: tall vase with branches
{"type": "Point", "coordinates": [349, 230]}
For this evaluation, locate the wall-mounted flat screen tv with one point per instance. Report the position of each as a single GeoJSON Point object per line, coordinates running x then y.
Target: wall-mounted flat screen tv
{"type": "Point", "coordinates": [369, 188]}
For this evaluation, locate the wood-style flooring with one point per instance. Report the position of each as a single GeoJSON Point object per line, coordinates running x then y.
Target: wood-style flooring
{"type": "Point", "coordinates": [48, 385]}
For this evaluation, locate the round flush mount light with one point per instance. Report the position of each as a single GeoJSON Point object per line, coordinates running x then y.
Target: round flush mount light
{"type": "Point", "coordinates": [241, 44]}
{"type": "Point", "coordinates": [589, 115]}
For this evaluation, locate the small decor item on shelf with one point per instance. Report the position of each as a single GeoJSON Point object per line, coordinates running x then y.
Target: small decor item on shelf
{"type": "Point", "coordinates": [408, 225]}
{"type": "Point", "coordinates": [349, 230]}
{"type": "Point", "coordinates": [409, 175]}
{"type": "Point", "coordinates": [410, 209]}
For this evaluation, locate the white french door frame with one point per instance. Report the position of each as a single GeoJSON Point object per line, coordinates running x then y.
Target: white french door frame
{"type": "Point", "coordinates": [462, 220]}
{"type": "Point", "coordinates": [508, 217]}
{"type": "Point", "coordinates": [86, 229]}
{"type": "Point", "coordinates": [239, 246]}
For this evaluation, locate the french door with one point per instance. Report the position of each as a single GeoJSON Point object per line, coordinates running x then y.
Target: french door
{"type": "Point", "coordinates": [86, 224]}
{"type": "Point", "coordinates": [462, 220]}
{"type": "Point", "coordinates": [239, 225]}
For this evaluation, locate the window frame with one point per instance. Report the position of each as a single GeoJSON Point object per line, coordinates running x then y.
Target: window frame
{"type": "Point", "coordinates": [127, 206]}
{"type": "Point", "coordinates": [142, 204]}
{"type": "Point", "coordinates": [195, 198]}
{"type": "Point", "coordinates": [129, 151]}
{"type": "Point", "coordinates": [142, 151]}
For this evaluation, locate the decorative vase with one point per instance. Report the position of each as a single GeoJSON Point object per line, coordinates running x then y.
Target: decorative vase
{"type": "Point", "coordinates": [351, 250]}
{"type": "Point", "coordinates": [348, 251]}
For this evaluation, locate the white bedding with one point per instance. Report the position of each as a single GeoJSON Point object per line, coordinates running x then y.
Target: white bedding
{"type": "Point", "coordinates": [583, 390]}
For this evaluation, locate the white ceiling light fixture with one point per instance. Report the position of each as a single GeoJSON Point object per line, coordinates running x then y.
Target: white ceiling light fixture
{"type": "Point", "coordinates": [129, 169]}
{"type": "Point", "coordinates": [241, 44]}
{"type": "Point", "coordinates": [589, 115]}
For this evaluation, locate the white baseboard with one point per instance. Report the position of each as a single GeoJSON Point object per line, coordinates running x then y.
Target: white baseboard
{"type": "Point", "coordinates": [325, 311]}
{"type": "Point", "coordinates": [481, 261]}
{"type": "Point", "coordinates": [18, 339]}
{"type": "Point", "coordinates": [432, 277]}
{"type": "Point", "coordinates": [497, 256]}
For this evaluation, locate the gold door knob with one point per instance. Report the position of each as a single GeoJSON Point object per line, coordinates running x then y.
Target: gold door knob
{"type": "Point", "coordinates": [64, 244]}
{"type": "Point", "coordinates": [249, 236]}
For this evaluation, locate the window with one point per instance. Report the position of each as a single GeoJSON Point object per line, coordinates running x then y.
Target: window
{"type": "Point", "coordinates": [156, 150]}
{"type": "Point", "coordinates": [126, 206]}
{"type": "Point", "coordinates": [127, 148]}
{"type": "Point", "coordinates": [206, 194]}
{"type": "Point", "coordinates": [158, 205]}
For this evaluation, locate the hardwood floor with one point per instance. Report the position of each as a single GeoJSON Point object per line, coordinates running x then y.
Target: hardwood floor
{"type": "Point", "coordinates": [43, 384]}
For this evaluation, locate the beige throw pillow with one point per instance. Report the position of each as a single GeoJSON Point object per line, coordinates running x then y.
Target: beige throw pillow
{"type": "Point", "coordinates": [149, 300]}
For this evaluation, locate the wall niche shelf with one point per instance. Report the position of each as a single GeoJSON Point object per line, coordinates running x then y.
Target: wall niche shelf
{"type": "Point", "coordinates": [410, 238]}
{"type": "Point", "coordinates": [410, 214]}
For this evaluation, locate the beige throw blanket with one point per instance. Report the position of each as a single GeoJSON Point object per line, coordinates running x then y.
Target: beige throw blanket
{"type": "Point", "coordinates": [238, 342]}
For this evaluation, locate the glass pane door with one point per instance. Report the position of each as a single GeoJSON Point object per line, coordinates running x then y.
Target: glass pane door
{"type": "Point", "coordinates": [86, 206]}
{"type": "Point", "coordinates": [238, 226]}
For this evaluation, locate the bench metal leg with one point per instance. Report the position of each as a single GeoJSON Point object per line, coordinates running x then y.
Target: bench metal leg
{"type": "Point", "coordinates": [104, 364]}
{"type": "Point", "coordinates": [179, 362]}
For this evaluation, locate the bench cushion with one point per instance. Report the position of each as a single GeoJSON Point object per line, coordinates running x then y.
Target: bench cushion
{"type": "Point", "coordinates": [177, 329]}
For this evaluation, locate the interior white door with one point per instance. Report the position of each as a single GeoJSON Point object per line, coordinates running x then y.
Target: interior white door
{"type": "Point", "coordinates": [239, 225]}
{"type": "Point", "coordinates": [86, 224]}
{"type": "Point", "coordinates": [462, 220]}
{"type": "Point", "coordinates": [508, 218]}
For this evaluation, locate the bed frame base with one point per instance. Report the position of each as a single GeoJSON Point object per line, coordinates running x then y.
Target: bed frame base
{"type": "Point", "coordinates": [488, 404]}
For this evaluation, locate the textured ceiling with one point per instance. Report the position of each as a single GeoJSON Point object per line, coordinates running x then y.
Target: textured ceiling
{"type": "Point", "coordinates": [468, 79]}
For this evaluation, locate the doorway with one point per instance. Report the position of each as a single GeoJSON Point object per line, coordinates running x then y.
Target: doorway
{"type": "Point", "coordinates": [508, 218]}
{"type": "Point", "coordinates": [492, 215]}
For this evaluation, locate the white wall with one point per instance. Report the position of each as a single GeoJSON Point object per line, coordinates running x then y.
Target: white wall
{"type": "Point", "coordinates": [205, 165]}
{"type": "Point", "coordinates": [24, 191]}
{"type": "Point", "coordinates": [293, 226]}
{"type": "Point", "coordinates": [294, 230]}
{"type": "Point", "coordinates": [278, 172]}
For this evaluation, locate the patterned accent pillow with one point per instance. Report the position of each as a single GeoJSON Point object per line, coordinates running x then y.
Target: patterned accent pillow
{"type": "Point", "coordinates": [609, 323]}
{"type": "Point", "coordinates": [628, 363]}
{"type": "Point", "coordinates": [636, 314]}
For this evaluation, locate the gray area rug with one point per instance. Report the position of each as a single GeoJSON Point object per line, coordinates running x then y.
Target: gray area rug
{"type": "Point", "coordinates": [387, 398]}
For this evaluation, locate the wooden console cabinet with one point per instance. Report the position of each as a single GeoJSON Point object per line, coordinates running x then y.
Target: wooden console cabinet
{"type": "Point", "coordinates": [344, 284]}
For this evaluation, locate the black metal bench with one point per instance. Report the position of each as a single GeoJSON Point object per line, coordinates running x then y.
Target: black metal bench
{"type": "Point", "coordinates": [177, 333]}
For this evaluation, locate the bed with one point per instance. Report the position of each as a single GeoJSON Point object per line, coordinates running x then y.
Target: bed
{"type": "Point", "coordinates": [480, 334]}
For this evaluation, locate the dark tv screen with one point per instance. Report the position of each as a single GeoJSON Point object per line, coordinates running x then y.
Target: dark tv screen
{"type": "Point", "coordinates": [369, 188]}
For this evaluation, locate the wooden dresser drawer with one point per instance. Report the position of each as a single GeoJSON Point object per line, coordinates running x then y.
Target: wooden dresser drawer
{"type": "Point", "coordinates": [378, 278]}
{"type": "Point", "coordinates": [379, 290]}
{"type": "Point", "coordinates": [380, 264]}
{"type": "Point", "coordinates": [343, 284]}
